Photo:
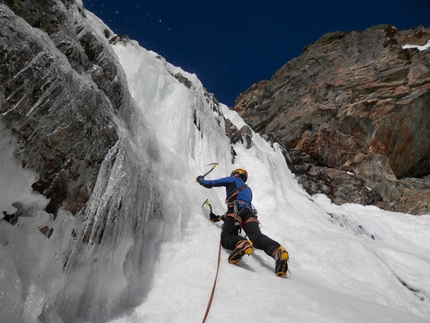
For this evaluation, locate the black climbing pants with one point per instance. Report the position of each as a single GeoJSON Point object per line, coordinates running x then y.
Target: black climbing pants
{"type": "Point", "coordinates": [230, 233]}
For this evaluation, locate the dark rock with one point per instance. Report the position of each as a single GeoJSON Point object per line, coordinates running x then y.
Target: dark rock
{"type": "Point", "coordinates": [182, 79]}
{"type": "Point", "coordinates": [352, 102]}
{"type": "Point", "coordinates": [60, 88]}
{"type": "Point", "coordinates": [63, 94]}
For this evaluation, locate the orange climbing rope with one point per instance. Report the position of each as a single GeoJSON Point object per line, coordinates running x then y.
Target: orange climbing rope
{"type": "Point", "coordinates": [214, 285]}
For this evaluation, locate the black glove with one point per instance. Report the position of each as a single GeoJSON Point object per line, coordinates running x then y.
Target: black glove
{"type": "Point", "coordinates": [199, 178]}
{"type": "Point", "coordinates": [214, 217]}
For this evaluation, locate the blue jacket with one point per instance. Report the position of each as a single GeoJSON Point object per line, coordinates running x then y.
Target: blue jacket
{"type": "Point", "coordinates": [231, 185]}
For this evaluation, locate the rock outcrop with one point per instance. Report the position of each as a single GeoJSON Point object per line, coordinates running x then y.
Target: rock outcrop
{"type": "Point", "coordinates": [67, 111]}
{"type": "Point", "coordinates": [352, 113]}
{"type": "Point", "coordinates": [59, 91]}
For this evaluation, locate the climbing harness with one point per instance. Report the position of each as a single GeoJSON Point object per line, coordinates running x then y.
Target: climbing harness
{"type": "Point", "coordinates": [236, 213]}
{"type": "Point", "coordinates": [227, 200]}
{"type": "Point", "coordinates": [239, 222]}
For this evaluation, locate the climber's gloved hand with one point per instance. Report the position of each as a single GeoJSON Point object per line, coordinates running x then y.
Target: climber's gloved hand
{"type": "Point", "coordinates": [199, 178]}
{"type": "Point", "coordinates": [213, 217]}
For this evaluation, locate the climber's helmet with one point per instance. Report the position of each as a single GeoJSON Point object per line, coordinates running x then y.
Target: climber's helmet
{"type": "Point", "coordinates": [239, 172]}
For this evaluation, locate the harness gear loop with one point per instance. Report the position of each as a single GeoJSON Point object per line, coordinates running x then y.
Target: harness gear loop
{"type": "Point", "coordinates": [237, 219]}
{"type": "Point", "coordinates": [239, 222]}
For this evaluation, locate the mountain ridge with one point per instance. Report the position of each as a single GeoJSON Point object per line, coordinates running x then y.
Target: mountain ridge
{"type": "Point", "coordinates": [351, 114]}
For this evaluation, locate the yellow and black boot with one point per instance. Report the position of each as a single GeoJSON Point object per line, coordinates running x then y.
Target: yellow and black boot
{"type": "Point", "coordinates": [243, 247]}
{"type": "Point", "coordinates": [281, 258]}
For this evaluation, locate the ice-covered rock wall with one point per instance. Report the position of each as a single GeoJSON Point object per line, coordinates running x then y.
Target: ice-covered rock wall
{"type": "Point", "coordinates": [77, 169]}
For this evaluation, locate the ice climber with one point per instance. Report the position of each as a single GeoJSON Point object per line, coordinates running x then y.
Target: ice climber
{"type": "Point", "coordinates": [242, 215]}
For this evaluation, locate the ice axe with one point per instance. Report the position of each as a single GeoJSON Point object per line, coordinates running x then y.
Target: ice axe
{"type": "Point", "coordinates": [212, 217]}
{"type": "Point", "coordinates": [212, 168]}
{"type": "Point", "coordinates": [207, 203]}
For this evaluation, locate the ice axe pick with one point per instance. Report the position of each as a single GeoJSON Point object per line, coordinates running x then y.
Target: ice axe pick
{"type": "Point", "coordinates": [212, 168]}
{"type": "Point", "coordinates": [207, 203]}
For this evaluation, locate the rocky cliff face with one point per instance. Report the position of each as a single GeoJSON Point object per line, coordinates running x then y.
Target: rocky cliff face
{"type": "Point", "coordinates": [59, 90]}
{"type": "Point", "coordinates": [353, 113]}
{"type": "Point", "coordinates": [65, 102]}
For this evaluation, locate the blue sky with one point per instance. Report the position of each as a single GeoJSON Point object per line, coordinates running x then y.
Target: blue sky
{"type": "Point", "coordinates": [231, 45]}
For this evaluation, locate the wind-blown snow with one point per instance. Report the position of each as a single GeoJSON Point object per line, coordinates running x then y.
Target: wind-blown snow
{"type": "Point", "coordinates": [348, 263]}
